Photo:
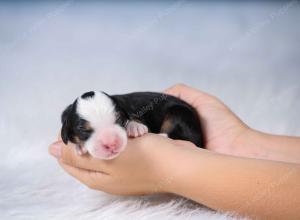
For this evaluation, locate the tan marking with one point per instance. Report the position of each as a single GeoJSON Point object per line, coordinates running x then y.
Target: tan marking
{"type": "Point", "coordinates": [87, 126]}
{"type": "Point", "coordinates": [77, 140]}
{"type": "Point", "coordinates": [166, 126]}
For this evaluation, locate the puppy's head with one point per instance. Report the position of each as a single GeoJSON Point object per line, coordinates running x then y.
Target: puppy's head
{"type": "Point", "coordinates": [95, 122]}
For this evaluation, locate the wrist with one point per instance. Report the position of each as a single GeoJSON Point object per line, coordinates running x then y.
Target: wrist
{"type": "Point", "coordinates": [250, 144]}
{"type": "Point", "coordinates": [182, 169]}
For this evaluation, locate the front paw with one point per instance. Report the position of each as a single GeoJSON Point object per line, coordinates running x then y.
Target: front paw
{"type": "Point", "coordinates": [80, 150]}
{"type": "Point", "coordinates": [136, 129]}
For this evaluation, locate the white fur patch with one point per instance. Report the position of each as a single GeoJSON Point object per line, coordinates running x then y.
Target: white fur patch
{"type": "Point", "coordinates": [163, 134]}
{"type": "Point", "coordinates": [136, 129]}
{"type": "Point", "coordinates": [99, 110]}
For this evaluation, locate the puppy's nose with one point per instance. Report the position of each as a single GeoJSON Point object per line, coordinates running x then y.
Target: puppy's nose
{"type": "Point", "coordinates": [110, 140]}
{"type": "Point", "coordinates": [111, 145]}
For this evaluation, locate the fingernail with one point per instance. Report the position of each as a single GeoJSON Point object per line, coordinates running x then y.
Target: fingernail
{"type": "Point", "coordinates": [55, 149]}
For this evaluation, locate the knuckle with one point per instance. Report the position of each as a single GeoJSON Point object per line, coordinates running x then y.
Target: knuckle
{"type": "Point", "coordinates": [213, 98]}
{"type": "Point", "coordinates": [180, 86]}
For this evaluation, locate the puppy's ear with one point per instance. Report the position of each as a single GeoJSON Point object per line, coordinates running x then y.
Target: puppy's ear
{"type": "Point", "coordinates": [65, 124]}
{"type": "Point", "coordinates": [66, 113]}
{"type": "Point", "coordinates": [64, 133]}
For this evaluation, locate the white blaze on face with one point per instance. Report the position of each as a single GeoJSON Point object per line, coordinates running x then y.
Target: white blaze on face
{"type": "Point", "coordinates": [108, 138]}
{"type": "Point", "coordinates": [99, 110]}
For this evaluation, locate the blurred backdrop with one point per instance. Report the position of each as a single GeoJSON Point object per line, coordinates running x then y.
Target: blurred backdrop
{"type": "Point", "coordinates": [244, 52]}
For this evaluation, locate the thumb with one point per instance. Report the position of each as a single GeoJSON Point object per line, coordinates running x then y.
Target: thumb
{"type": "Point", "coordinates": [55, 149]}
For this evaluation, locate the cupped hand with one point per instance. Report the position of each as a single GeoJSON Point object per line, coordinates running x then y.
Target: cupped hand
{"type": "Point", "coordinates": [222, 129]}
{"type": "Point", "coordinates": [149, 164]}
{"type": "Point", "coordinates": [142, 168]}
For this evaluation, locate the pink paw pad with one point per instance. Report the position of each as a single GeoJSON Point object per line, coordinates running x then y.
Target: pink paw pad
{"type": "Point", "coordinates": [136, 129]}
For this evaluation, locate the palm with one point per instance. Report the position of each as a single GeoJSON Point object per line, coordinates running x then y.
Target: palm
{"type": "Point", "coordinates": [221, 126]}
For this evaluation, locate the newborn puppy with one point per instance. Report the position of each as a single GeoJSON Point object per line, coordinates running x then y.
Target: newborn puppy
{"type": "Point", "coordinates": [99, 123]}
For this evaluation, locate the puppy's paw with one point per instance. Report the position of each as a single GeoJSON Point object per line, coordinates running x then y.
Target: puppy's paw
{"type": "Point", "coordinates": [163, 134]}
{"type": "Point", "coordinates": [136, 129]}
{"type": "Point", "coordinates": [80, 150]}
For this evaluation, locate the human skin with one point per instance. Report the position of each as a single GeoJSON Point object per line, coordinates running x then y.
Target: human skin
{"type": "Point", "coordinates": [226, 133]}
{"type": "Point", "coordinates": [155, 164]}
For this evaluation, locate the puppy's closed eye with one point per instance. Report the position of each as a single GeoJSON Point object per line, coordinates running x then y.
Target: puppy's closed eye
{"type": "Point", "coordinates": [83, 130]}
{"type": "Point", "coordinates": [84, 135]}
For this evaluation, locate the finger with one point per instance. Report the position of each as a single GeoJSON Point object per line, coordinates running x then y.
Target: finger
{"type": "Point", "coordinates": [68, 155]}
{"type": "Point", "coordinates": [185, 92]}
{"type": "Point", "coordinates": [59, 136]}
{"type": "Point", "coordinates": [184, 143]}
{"type": "Point", "coordinates": [92, 179]}
{"type": "Point", "coordinates": [192, 96]}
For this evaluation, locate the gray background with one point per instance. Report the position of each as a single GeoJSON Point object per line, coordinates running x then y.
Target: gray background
{"type": "Point", "coordinates": [247, 54]}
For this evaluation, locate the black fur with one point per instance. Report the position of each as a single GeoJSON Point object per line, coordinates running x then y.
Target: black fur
{"type": "Point", "coordinates": [66, 123]}
{"type": "Point", "coordinates": [152, 109]}
{"type": "Point", "coordinates": [88, 95]}
{"type": "Point", "coordinates": [74, 128]}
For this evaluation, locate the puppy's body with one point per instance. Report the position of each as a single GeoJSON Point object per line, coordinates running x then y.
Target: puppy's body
{"type": "Point", "coordinates": [100, 123]}
{"type": "Point", "coordinates": [162, 113]}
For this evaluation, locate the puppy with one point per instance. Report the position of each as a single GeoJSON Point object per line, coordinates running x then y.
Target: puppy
{"type": "Point", "coordinates": [99, 124]}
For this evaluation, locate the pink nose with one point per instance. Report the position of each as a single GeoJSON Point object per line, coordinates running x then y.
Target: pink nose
{"type": "Point", "coordinates": [110, 141]}
{"type": "Point", "coordinates": [111, 145]}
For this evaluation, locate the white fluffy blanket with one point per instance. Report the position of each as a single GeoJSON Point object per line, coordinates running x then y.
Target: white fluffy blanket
{"type": "Point", "coordinates": [244, 53]}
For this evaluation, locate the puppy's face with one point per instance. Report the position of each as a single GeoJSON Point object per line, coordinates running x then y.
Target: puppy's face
{"type": "Point", "coordinates": [94, 123]}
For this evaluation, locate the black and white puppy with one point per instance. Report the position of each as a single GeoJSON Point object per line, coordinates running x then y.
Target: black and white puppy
{"type": "Point", "coordinates": [99, 123]}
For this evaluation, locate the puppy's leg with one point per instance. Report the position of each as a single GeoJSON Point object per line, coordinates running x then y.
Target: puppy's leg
{"type": "Point", "coordinates": [163, 134]}
{"type": "Point", "coordinates": [136, 129]}
{"type": "Point", "coordinates": [182, 123]}
{"type": "Point", "coordinates": [80, 150]}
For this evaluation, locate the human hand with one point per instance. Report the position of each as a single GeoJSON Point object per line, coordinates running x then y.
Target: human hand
{"type": "Point", "coordinates": [146, 166]}
{"type": "Point", "coordinates": [223, 130]}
